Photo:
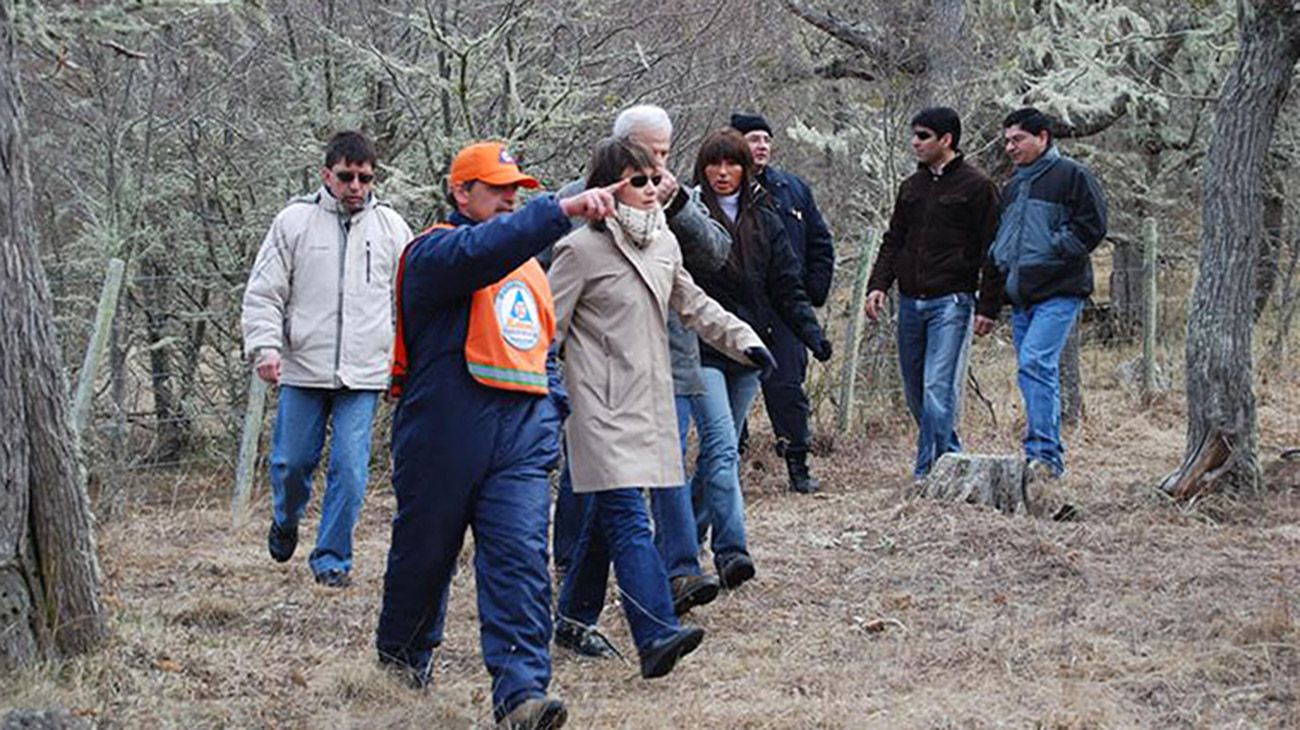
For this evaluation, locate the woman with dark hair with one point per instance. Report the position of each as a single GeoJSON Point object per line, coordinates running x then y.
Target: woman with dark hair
{"type": "Point", "coordinates": [613, 284]}
{"type": "Point", "coordinates": [759, 283]}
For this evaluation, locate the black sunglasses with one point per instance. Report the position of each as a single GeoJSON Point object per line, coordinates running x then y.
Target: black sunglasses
{"type": "Point", "coordinates": [346, 176]}
{"type": "Point", "coordinates": [922, 134]}
{"type": "Point", "coordinates": [639, 181]}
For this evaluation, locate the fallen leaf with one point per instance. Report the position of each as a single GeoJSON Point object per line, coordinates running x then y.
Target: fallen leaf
{"type": "Point", "coordinates": [297, 678]}
{"type": "Point", "coordinates": [168, 665]}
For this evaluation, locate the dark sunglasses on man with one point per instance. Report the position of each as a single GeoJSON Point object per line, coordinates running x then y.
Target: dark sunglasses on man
{"type": "Point", "coordinates": [639, 181]}
{"type": "Point", "coordinates": [922, 134]}
{"type": "Point", "coordinates": [346, 176]}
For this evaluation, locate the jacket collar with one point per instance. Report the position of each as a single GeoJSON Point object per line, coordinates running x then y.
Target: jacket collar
{"type": "Point", "coordinates": [331, 203]}
{"type": "Point", "coordinates": [956, 162]}
{"type": "Point", "coordinates": [460, 219]}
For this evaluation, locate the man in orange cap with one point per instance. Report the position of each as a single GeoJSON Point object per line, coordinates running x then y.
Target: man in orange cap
{"type": "Point", "coordinates": [474, 429]}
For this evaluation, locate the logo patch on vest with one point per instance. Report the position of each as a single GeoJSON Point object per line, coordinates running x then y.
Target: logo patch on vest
{"type": "Point", "coordinates": [516, 310]}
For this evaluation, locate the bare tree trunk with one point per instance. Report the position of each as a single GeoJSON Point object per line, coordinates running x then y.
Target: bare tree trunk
{"type": "Point", "coordinates": [49, 574]}
{"type": "Point", "coordinates": [944, 63]}
{"type": "Point", "coordinates": [1220, 365]}
{"type": "Point", "coordinates": [1270, 245]}
{"type": "Point", "coordinates": [1071, 392]}
{"type": "Point", "coordinates": [1125, 290]}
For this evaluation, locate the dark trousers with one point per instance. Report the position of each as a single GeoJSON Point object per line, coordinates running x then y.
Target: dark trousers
{"type": "Point", "coordinates": [783, 394]}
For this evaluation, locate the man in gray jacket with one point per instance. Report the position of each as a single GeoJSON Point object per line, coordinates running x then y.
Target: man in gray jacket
{"type": "Point", "coordinates": [318, 322]}
{"type": "Point", "coordinates": [705, 245]}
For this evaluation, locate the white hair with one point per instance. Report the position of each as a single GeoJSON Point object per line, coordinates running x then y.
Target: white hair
{"type": "Point", "coordinates": [642, 117]}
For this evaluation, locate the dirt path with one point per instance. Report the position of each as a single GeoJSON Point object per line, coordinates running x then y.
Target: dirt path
{"type": "Point", "coordinates": [1140, 615]}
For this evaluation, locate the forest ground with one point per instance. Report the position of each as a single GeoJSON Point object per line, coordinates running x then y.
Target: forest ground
{"type": "Point", "coordinates": [1141, 614]}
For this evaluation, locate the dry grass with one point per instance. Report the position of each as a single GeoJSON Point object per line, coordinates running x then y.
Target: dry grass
{"type": "Point", "coordinates": [871, 609]}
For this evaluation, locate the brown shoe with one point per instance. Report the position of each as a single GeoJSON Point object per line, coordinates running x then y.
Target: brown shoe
{"type": "Point", "coordinates": [690, 591]}
{"type": "Point", "coordinates": [535, 713]}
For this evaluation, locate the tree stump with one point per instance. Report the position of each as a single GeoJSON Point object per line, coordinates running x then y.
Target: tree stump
{"type": "Point", "coordinates": [991, 480]}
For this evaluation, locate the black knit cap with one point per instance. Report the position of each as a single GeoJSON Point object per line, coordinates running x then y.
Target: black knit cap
{"type": "Point", "coordinates": [746, 123]}
{"type": "Point", "coordinates": [942, 120]}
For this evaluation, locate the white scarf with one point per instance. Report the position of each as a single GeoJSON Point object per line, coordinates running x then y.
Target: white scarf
{"type": "Point", "coordinates": [639, 226]}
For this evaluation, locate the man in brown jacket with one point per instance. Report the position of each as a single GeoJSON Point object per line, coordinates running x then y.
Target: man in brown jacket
{"type": "Point", "coordinates": [945, 217]}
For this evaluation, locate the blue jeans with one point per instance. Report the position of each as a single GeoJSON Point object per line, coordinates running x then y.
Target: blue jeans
{"type": "Point", "coordinates": [1040, 331]}
{"type": "Point", "coordinates": [296, 446]}
{"type": "Point", "coordinates": [933, 342]}
{"type": "Point", "coordinates": [675, 531]}
{"type": "Point", "coordinates": [618, 518]}
{"type": "Point", "coordinates": [715, 488]}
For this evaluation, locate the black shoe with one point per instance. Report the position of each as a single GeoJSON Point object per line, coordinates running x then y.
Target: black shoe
{"type": "Point", "coordinates": [334, 578]}
{"type": "Point", "coordinates": [801, 482]}
{"type": "Point", "coordinates": [535, 713]}
{"type": "Point", "coordinates": [281, 541]}
{"type": "Point", "coordinates": [690, 591]}
{"type": "Point", "coordinates": [735, 570]}
{"type": "Point", "coordinates": [662, 655]}
{"type": "Point", "coordinates": [585, 640]}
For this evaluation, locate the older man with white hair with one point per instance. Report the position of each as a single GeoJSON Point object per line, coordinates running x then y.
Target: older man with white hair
{"type": "Point", "coordinates": [705, 245]}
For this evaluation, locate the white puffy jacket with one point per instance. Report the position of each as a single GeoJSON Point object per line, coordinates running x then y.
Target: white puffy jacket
{"type": "Point", "coordinates": [321, 292]}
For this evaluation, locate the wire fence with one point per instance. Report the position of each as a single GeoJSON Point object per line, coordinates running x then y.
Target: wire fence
{"type": "Point", "coordinates": [170, 396]}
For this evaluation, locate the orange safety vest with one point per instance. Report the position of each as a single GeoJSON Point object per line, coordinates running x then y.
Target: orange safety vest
{"type": "Point", "coordinates": [511, 326]}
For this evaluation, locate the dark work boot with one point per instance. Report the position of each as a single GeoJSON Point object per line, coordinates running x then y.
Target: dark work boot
{"type": "Point", "coordinates": [800, 480]}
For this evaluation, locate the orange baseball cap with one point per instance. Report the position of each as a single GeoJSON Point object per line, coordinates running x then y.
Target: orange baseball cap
{"type": "Point", "coordinates": [490, 162]}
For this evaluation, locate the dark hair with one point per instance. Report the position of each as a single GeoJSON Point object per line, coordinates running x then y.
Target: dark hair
{"type": "Point", "coordinates": [942, 120]}
{"type": "Point", "coordinates": [727, 145]}
{"type": "Point", "coordinates": [1031, 120]}
{"type": "Point", "coordinates": [451, 194]}
{"type": "Point", "coordinates": [611, 156]}
{"type": "Point", "coordinates": [350, 146]}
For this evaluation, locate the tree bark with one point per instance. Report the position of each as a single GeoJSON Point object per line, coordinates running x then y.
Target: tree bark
{"type": "Point", "coordinates": [49, 573]}
{"type": "Point", "coordinates": [1220, 365]}
{"type": "Point", "coordinates": [1071, 388]}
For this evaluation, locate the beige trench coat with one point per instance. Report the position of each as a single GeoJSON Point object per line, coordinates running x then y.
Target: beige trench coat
{"type": "Point", "coordinates": [611, 311]}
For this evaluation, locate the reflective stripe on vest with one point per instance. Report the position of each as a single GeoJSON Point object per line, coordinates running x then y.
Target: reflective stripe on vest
{"type": "Point", "coordinates": [511, 325]}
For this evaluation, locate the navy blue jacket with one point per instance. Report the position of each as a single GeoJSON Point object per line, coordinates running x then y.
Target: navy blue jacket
{"type": "Point", "coordinates": [806, 231]}
{"type": "Point", "coordinates": [1053, 216]}
{"type": "Point", "coordinates": [444, 267]}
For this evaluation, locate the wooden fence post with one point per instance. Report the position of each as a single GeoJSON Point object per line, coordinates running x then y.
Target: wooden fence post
{"type": "Point", "coordinates": [1150, 248]}
{"type": "Point", "coordinates": [853, 335]}
{"type": "Point", "coordinates": [108, 296]}
{"type": "Point", "coordinates": [247, 463]}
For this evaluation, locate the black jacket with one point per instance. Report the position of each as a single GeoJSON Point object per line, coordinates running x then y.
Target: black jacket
{"type": "Point", "coordinates": [806, 232]}
{"type": "Point", "coordinates": [1053, 216]}
{"type": "Point", "coordinates": [939, 236]}
{"type": "Point", "coordinates": [760, 283]}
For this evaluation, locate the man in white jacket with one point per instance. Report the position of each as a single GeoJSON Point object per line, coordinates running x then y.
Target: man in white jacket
{"type": "Point", "coordinates": [318, 321]}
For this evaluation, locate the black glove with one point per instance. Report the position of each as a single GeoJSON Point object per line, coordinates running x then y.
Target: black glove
{"type": "Point", "coordinates": [823, 349]}
{"type": "Point", "coordinates": [762, 359]}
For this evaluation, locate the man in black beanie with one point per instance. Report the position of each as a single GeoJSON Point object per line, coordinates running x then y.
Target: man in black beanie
{"type": "Point", "coordinates": [945, 217]}
{"type": "Point", "coordinates": [810, 239]}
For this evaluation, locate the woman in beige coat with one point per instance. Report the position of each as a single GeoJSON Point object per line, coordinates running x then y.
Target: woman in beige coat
{"type": "Point", "coordinates": [613, 285]}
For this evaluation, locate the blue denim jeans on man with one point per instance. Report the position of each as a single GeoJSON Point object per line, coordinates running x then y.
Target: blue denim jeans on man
{"type": "Point", "coordinates": [296, 444]}
{"type": "Point", "coordinates": [933, 343]}
{"type": "Point", "coordinates": [715, 487]}
{"type": "Point", "coordinates": [618, 519]}
{"type": "Point", "coordinates": [1040, 332]}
